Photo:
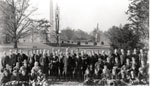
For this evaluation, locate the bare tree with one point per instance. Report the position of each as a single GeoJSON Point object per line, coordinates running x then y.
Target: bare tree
{"type": "Point", "coordinates": [18, 23]}
{"type": "Point", "coordinates": [43, 28]}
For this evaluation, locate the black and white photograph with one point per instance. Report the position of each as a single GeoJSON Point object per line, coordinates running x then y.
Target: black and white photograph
{"type": "Point", "coordinates": [74, 43]}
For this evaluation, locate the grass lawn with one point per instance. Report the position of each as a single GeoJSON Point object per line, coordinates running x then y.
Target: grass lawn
{"type": "Point", "coordinates": [29, 46]}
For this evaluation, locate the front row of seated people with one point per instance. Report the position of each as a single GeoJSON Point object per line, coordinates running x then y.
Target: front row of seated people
{"type": "Point", "coordinates": [20, 77]}
{"type": "Point", "coordinates": [123, 75]}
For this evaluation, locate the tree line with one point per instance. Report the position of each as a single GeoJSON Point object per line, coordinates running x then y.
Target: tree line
{"type": "Point", "coordinates": [133, 34]}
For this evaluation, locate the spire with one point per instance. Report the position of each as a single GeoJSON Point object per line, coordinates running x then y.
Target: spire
{"type": "Point", "coordinates": [51, 14]}
{"type": "Point", "coordinates": [57, 18]}
{"type": "Point", "coordinates": [97, 26]}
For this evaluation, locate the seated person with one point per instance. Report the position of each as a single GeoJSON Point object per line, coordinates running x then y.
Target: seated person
{"type": "Point", "coordinates": [117, 63]}
{"type": "Point", "coordinates": [5, 78]}
{"type": "Point", "coordinates": [88, 76]}
{"type": "Point", "coordinates": [41, 78]}
{"type": "Point", "coordinates": [24, 77]}
{"type": "Point", "coordinates": [109, 63]}
{"type": "Point", "coordinates": [142, 76]}
{"type": "Point", "coordinates": [36, 67]}
{"type": "Point", "coordinates": [106, 73]}
{"type": "Point", "coordinates": [133, 78]}
{"type": "Point", "coordinates": [134, 62]}
{"type": "Point", "coordinates": [15, 77]}
{"type": "Point", "coordinates": [114, 74]}
{"type": "Point", "coordinates": [127, 65]}
{"type": "Point", "coordinates": [26, 66]}
{"type": "Point", "coordinates": [17, 66]}
{"type": "Point", "coordinates": [144, 66]}
{"type": "Point", "coordinates": [9, 68]}
{"type": "Point", "coordinates": [98, 68]}
{"type": "Point", "coordinates": [134, 69]}
{"type": "Point", "coordinates": [33, 77]}
{"type": "Point", "coordinates": [122, 76]}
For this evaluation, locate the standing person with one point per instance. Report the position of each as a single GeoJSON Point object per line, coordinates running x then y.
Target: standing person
{"type": "Point", "coordinates": [136, 57]}
{"type": "Point", "coordinates": [12, 59]}
{"type": "Point", "coordinates": [115, 55]}
{"type": "Point", "coordinates": [84, 62]}
{"type": "Point", "coordinates": [109, 63]}
{"type": "Point", "coordinates": [21, 57]}
{"type": "Point", "coordinates": [31, 59]}
{"type": "Point", "coordinates": [129, 55]}
{"type": "Point", "coordinates": [91, 60]}
{"type": "Point", "coordinates": [44, 63]}
{"type": "Point", "coordinates": [66, 65]}
{"type": "Point", "coordinates": [4, 60]}
{"type": "Point", "coordinates": [78, 68]}
{"type": "Point", "coordinates": [142, 56]}
{"type": "Point", "coordinates": [98, 68]}
{"type": "Point", "coordinates": [61, 64]}
{"type": "Point", "coordinates": [122, 57]}
{"type": "Point", "coordinates": [103, 56]}
{"type": "Point", "coordinates": [49, 58]}
{"type": "Point", "coordinates": [117, 63]}
{"type": "Point", "coordinates": [37, 56]}
{"type": "Point", "coordinates": [55, 65]}
{"type": "Point", "coordinates": [127, 65]}
{"type": "Point", "coordinates": [72, 63]}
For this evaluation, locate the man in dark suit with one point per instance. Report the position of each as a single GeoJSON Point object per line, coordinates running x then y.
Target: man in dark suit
{"type": "Point", "coordinates": [44, 63]}
{"type": "Point", "coordinates": [4, 60]}
{"type": "Point", "coordinates": [122, 57]}
{"type": "Point", "coordinates": [12, 58]}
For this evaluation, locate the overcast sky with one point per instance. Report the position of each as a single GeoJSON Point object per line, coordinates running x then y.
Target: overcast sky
{"type": "Point", "coordinates": [85, 14]}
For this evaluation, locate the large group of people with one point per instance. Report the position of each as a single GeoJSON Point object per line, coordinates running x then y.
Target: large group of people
{"type": "Point", "coordinates": [35, 67]}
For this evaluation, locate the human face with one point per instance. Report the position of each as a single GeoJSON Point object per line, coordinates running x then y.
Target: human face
{"type": "Point", "coordinates": [128, 52]}
{"type": "Point", "coordinates": [23, 72]}
{"type": "Point", "coordinates": [5, 73]}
